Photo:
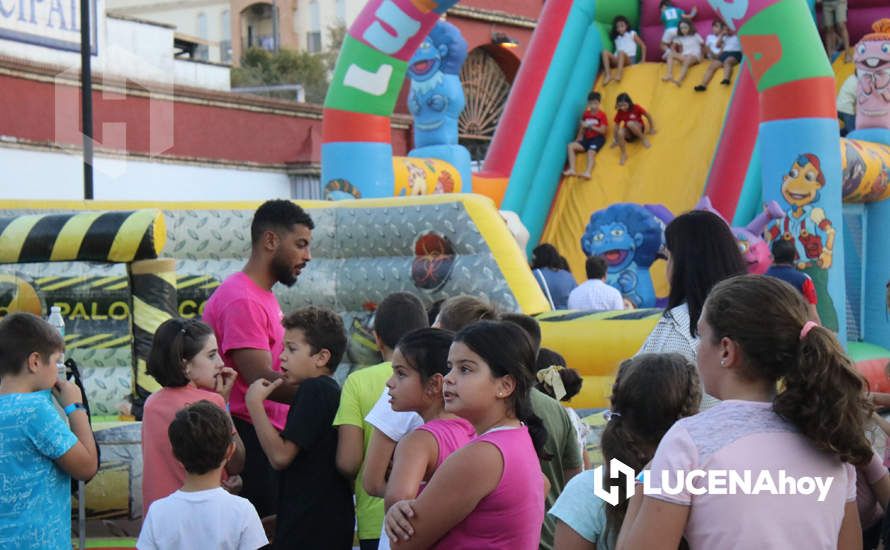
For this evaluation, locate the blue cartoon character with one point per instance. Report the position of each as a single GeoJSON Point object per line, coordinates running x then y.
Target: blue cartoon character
{"type": "Point", "coordinates": [628, 236]}
{"type": "Point", "coordinates": [807, 226]}
{"type": "Point", "coordinates": [437, 97]}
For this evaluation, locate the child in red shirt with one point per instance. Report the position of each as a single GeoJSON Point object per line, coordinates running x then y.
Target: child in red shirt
{"type": "Point", "coordinates": [629, 125]}
{"type": "Point", "coordinates": [591, 135]}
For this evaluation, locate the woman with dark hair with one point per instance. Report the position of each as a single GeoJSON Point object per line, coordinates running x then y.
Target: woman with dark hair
{"type": "Point", "coordinates": [791, 400]}
{"type": "Point", "coordinates": [551, 271]}
{"type": "Point", "coordinates": [490, 493]}
{"type": "Point", "coordinates": [701, 251]}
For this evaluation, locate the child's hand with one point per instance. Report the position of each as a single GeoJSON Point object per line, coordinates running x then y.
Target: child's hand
{"type": "Point", "coordinates": [224, 381]}
{"type": "Point", "coordinates": [260, 390]}
{"type": "Point", "coordinates": [652, 130]}
{"type": "Point", "coordinates": [67, 392]}
{"type": "Point", "coordinates": [397, 521]}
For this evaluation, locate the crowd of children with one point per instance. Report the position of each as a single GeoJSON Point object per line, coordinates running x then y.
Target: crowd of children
{"type": "Point", "coordinates": [459, 439]}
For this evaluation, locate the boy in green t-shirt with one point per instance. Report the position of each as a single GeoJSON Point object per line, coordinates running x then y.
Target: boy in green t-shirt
{"type": "Point", "coordinates": [397, 315]}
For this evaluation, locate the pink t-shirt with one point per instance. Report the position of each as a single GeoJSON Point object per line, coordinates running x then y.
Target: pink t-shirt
{"type": "Point", "coordinates": [747, 435]}
{"type": "Point", "coordinates": [510, 517]}
{"type": "Point", "coordinates": [245, 316]}
{"type": "Point", "coordinates": [870, 511]}
{"type": "Point", "coordinates": [162, 474]}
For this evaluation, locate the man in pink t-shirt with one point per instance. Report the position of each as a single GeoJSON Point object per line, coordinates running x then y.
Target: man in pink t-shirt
{"type": "Point", "coordinates": [246, 317]}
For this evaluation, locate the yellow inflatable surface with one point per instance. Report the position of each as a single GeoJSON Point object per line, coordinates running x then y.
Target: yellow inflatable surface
{"type": "Point", "coordinates": [595, 344]}
{"type": "Point", "coordinates": [672, 172]}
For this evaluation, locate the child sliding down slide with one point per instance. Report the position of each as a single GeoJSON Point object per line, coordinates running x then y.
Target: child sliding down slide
{"type": "Point", "coordinates": [629, 125]}
{"type": "Point", "coordinates": [591, 135]}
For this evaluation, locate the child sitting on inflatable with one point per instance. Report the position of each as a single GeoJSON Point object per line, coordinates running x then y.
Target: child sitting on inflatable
{"type": "Point", "coordinates": [591, 135]}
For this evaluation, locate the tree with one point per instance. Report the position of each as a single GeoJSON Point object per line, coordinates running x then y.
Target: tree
{"type": "Point", "coordinates": [260, 68]}
{"type": "Point", "coordinates": [336, 35]}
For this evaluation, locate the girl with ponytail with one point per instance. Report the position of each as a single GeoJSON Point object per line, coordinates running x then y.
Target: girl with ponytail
{"type": "Point", "coordinates": [185, 361]}
{"type": "Point", "coordinates": [490, 493]}
{"type": "Point", "coordinates": [651, 391]}
{"type": "Point", "coordinates": [793, 409]}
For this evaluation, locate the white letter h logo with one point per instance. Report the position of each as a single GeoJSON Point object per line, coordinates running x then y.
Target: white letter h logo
{"type": "Point", "coordinates": [616, 469]}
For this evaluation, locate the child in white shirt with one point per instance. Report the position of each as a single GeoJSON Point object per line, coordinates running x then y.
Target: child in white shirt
{"type": "Point", "coordinates": [728, 54]}
{"type": "Point", "coordinates": [202, 514]}
{"type": "Point", "coordinates": [691, 52]}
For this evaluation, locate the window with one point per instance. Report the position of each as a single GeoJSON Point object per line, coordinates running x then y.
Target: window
{"type": "Point", "coordinates": [341, 10]}
{"type": "Point", "coordinates": [202, 52]}
{"type": "Point", "coordinates": [225, 44]}
{"type": "Point", "coordinates": [313, 42]}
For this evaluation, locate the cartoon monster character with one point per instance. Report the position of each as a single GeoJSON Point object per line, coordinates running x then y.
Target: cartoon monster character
{"type": "Point", "coordinates": [809, 228]}
{"type": "Point", "coordinates": [628, 236]}
{"type": "Point", "coordinates": [437, 97]}
{"type": "Point", "coordinates": [872, 59]}
{"type": "Point", "coordinates": [754, 249]}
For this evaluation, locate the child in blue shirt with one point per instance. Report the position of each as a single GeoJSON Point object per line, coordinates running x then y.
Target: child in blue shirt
{"type": "Point", "coordinates": [671, 17]}
{"type": "Point", "coordinates": [39, 453]}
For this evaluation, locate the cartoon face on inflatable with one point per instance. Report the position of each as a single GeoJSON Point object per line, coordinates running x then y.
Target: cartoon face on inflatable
{"type": "Point", "coordinates": [426, 61]}
{"type": "Point", "coordinates": [801, 185]}
{"type": "Point", "coordinates": [615, 244]}
{"type": "Point", "coordinates": [628, 236]}
{"type": "Point", "coordinates": [751, 244]}
{"type": "Point", "coordinates": [872, 58]}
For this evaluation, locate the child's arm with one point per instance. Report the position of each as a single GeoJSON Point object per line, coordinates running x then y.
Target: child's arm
{"type": "Point", "coordinates": [414, 455]}
{"type": "Point", "coordinates": [641, 45]}
{"type": "Point", "coordinates": [651, 122]}
{"type": "Point", "coordinates": [380, 451]}
{"type": "Point", "coordinates": [458, 485]}
{"type": "Point", "coordinates": [279, 451]}
{"type": "Point", "coordinates": [692, 13]}
{"type": "Point", "coordinates": [224, 381]}
{"type": "Point", "coordinates": [80, 461]}
{"type": "Point", "coordinates": [235, 465]}
{"type": "Point", "coordinates": [880, 400]}
{"type": "Point", "coordinates": [850, 536]}
{"type": "Point", "coordinates": [350, 450]}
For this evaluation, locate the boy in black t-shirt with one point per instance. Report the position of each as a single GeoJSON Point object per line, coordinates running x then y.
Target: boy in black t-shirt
{"type": "Point", "coordinates": [315, 507]}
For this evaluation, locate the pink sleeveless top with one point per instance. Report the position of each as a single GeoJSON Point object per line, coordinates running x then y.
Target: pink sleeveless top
{"type": "Point", "coordinates": [510, 517]}
{"type": "Point", "coordinates": [450, 433]}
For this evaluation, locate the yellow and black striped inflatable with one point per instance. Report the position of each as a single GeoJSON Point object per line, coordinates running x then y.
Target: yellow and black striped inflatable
{"type": "Point", "coordinates": [85, 236]}
{"type": "Point", "coordinates": [154, 301]}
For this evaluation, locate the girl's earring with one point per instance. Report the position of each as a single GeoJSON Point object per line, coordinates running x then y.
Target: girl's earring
{"type": "Point", "coordinates": [723, 362]}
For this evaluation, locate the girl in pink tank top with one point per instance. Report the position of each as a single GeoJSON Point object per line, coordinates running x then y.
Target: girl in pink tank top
{"type": "Point", "coordinates": [419, 363]}
{"type": "Point", "coordinates": [490, 493]}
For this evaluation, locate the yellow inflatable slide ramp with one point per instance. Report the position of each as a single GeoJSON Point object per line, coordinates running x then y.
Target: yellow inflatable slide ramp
{"type": "Point", "coordinates": [672, 172]}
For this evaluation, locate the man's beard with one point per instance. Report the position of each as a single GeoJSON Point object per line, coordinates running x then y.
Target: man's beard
{"type": "Point", "coordinates": [283, 272]}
